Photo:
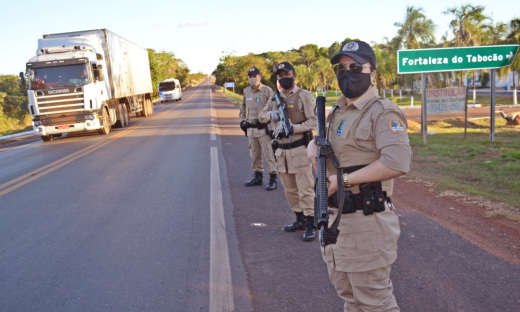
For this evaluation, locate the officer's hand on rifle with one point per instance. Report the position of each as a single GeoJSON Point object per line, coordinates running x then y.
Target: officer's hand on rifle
{"type": "Point", "coordinates": [333, 185]}
{"type": "Point", "coordinates": [275, 115]}
{"type": "Point", "coordinates": [312, 154]}
{"type": "Point", "coordinates": [286, 135]}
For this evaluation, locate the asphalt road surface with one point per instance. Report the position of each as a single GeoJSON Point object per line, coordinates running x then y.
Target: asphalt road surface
{"type": "Point", "coordinates": [155, 217]}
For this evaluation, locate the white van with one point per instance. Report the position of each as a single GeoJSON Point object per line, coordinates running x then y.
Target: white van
{"type": "Point", "coordinates": [170, 89]}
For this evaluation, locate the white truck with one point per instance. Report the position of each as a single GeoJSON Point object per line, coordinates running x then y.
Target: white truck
{"type": "Point", "coordinates": [170, 89]}
{"type": "Point", "coordinates": [87, 80]}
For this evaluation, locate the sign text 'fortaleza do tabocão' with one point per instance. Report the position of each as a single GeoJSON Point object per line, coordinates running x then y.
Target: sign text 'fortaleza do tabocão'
{"type": "Point", "coordinates": [445, 100]}
{"type": "Point", "coordinates": [449, 59]}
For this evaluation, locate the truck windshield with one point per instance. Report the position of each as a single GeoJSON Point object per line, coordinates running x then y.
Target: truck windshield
{"type": "Point", "coordinates": [58, 76]}
{"type": "Point", "coordinates": [166, 86]}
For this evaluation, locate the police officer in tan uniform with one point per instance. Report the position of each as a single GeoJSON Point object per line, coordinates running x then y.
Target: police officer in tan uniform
{"type": "Point", "coordinates": [369, 140]}
{"type": "Point", "coordinates": [255, 98]}
{"type": "Point", "coordinates": [294, 168]}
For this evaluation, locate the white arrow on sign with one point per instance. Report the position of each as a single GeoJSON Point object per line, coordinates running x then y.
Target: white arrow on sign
{"type": "Point", "coordinates": [509, 56]}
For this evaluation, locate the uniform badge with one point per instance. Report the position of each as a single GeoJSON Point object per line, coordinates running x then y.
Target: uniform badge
{"type": "Point", "coordinates": [257, 100]}
{"type": "Point", "coordinates": [340, 127]}
{"type": "Point", "coordinates": [396, 125]}
{"type": "Point", "coordinates": [281, 66]}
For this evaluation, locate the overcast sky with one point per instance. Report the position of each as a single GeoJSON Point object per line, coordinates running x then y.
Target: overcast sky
{"type": "Point", "coordinates": [199, 31]}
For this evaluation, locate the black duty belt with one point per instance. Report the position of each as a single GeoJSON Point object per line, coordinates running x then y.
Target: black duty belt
{"type": "Point", "coordinates": [257, 125]}
{"type": "Point", "coordinates": [297, 143]}
{"type": "Point", "coordinates": [370, 199]}
{"type": "Point", "coordinates": [307, 137]}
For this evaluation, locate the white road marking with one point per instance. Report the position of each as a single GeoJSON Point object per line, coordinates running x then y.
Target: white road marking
{"type": "Point", "coordinates": [220, 284]}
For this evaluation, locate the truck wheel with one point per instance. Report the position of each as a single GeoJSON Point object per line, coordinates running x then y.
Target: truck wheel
{"type": "Point", "coordinates": [120, 123]}
{"type": "Point", "coordinates": [106, 123]}
{"type": "Point", "coordinates": [144, 112]}
{"type": "Point", "coordinates": [126, 116]}
{"type": "Point", "coordinates": [47, 138]}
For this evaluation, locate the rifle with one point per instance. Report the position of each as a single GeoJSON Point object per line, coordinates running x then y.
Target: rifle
{"type": "Point", "coordinates": [283, 129]}
{"type": "Point", "coordinates": [321, 210]}
{"type": "Point", "coordinates": [328, 235]}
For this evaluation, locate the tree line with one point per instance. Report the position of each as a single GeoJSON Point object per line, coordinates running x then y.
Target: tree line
{"type": "Point", "coordinates": [470, 26]}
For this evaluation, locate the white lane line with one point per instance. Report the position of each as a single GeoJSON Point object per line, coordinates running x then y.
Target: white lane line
{"type": "Point", "coordinates": [213, 113]}
{"type": "Point", "coordinates": [220, 284]}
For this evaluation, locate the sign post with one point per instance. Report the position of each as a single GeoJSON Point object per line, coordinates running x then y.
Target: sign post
{"type": "Point", "coordinates": [455, 59]}
{"type": "Point", "coordinates": [230, 85]}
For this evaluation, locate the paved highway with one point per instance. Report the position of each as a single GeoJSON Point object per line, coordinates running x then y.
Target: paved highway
{"type": "Point", "coordinates": [155, 217]}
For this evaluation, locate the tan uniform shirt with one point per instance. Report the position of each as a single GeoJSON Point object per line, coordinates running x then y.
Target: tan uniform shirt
{"type": "Point", "coordinates": [302, 103]}
{"type": "Point", "coordinates": [251, 106]}
{"type": "Point", "coordinates": [361, 133]}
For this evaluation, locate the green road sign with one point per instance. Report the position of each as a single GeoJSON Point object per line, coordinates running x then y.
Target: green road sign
{"type": "Point", "coordinates": [450, 59]}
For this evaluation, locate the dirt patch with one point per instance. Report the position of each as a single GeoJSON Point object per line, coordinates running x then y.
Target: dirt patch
{"type": "Point", "coordinates": [478, 220]}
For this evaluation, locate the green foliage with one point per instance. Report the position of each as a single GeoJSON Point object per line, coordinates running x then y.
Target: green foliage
{"type": "Point", "coordinates": [164, 65]}
{"type": "Point", "coordinates": [12, 96]}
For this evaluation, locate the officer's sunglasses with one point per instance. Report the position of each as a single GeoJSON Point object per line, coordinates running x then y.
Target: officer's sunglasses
{"type": "Point", "coordinates": [357, 68]}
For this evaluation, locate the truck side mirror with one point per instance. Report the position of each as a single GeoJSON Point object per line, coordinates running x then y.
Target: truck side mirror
{"type": "Point", "coordinates": [98, 73]}
{"type": "Point", "coordinates": [22, 77]}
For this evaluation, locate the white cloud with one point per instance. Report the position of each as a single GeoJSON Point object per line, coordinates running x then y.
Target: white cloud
{"type": "Point", "coordinates": [194, 23]}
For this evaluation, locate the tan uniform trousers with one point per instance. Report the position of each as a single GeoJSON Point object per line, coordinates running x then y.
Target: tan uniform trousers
{"type": "Point", "coordinates": [258, 146]}
{"type": "Point", "coordinates": [364, 291]}
{"type": "Point", "coordinates": [359, 264]}
{"type": "Point", "coordinates": [298, 185]}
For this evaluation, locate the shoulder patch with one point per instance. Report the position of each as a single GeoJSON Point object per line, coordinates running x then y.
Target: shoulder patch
{"type": "Point", "coordinates": [396, 125]}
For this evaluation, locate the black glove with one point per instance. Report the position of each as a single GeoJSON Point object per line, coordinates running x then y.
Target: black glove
{"type": "Point", "coordinates": [244, 124]}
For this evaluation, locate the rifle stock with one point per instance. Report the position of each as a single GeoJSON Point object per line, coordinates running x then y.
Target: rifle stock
{"type": "Point", "coordinates": [321, 199]}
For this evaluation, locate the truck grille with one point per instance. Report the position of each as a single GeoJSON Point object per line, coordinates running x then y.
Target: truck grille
{"type": "Point", "coordinates": [62, 119]}
{"type": "Point", "coordinates": [60, 103]}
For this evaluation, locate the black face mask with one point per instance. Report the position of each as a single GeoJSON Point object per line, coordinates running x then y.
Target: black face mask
{"type": "Point", "coordinates": [286, 83]}
{"type": "Point", "coordinates": [353, 85]}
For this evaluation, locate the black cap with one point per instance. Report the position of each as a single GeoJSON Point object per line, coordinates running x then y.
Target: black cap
{"type": "Point", "coordinates": [253, 71]}
{"type": "Point", "coordinates": [358, 50]}
{"type": "Point", "coordinates": [284, 66]}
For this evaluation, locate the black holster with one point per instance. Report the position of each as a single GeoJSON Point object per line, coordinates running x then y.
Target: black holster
{"type": "Point", "coordinates": [370, 199]}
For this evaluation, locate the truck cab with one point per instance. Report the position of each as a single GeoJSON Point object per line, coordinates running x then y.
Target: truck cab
{"type": "Point", "coordinates": [170, 90]}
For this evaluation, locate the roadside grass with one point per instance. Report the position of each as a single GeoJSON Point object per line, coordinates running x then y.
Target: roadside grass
{"type": "Point", "coordinates": [12, 125]}
{"type": "Point", "coordinates": [474, 165]}
{"type": "Point", "coordinates": [234, 97]}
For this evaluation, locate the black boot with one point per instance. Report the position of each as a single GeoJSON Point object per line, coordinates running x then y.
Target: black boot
{"type": "Point", "coordinates": [257, 180]}
{"type": "Point", "coordinates": [272, 182]}
{"type": "Point", "coordinates": [310, 229]}
{"type": "Point", "coordinates": [299, 225]}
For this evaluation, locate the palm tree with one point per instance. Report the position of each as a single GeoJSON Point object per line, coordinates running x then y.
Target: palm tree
{"type": "Point", "coordinates": [514, 37]}
{"type": "Point", "coordinates": [324, 71]}
{"type": "Point", "coordinates": [494, 33]}
{"type": "Point", "coordinates": [416, 30]}
{"type": "Point", "coordinates": [467, 26]}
